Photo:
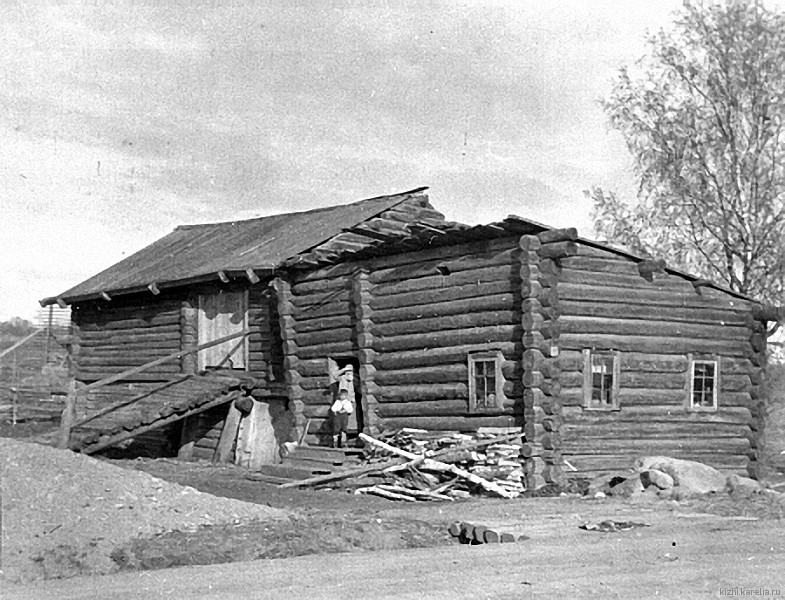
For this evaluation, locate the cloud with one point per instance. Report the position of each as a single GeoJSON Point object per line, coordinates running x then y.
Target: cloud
{"type": "Point", "coordinates": [121, 120]}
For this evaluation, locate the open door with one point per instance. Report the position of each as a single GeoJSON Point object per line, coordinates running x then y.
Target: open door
{"type": "Point", "coordinates": [220, 315]}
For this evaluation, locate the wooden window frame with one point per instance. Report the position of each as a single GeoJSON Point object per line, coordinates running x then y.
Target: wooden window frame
{"type": "Point", "coordinates": [689, 400]}
{"type": "Point", "coordinates": [588, 383]}
{"type": "Point", "coordinates": [498, 358]}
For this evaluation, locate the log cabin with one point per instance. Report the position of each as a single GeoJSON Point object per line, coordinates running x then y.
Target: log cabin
{"type": "Point", "coordinates": [224, 339]}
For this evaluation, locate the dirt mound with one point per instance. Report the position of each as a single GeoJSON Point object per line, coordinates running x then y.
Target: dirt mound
{"type": "Point", "coordinates": [296, 536]}
{"type": "Point", "coordinates": [63, 513]}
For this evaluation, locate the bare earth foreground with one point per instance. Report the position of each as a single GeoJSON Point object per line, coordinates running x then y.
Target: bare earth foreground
{"type": "Point", "coordinates": [692, 549]}
{"type": "Point", "coordinates": [689, 557]}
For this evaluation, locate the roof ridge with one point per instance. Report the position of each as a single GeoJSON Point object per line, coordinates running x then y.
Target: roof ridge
{"type": "Point", "coordinates": [403, 195]}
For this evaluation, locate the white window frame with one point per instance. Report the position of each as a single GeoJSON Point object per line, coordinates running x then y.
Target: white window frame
{"type": "Point", "coordinates": [690, 400]}
{"type": "Point", "coordinates": [588, 380]}
{"type": "Point", "coordinates": [497, 358]}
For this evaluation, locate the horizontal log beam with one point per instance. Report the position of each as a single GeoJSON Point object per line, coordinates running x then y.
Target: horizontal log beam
{"type": "Point", "coordinates": [641, 326]}
{"type": "Point", "coordinates": [653, 296]}
{"type": "Point", "coordinates": [657, 429]}
{"type": "Point", "coordinates": [410, 393]}
{"type": "Point", "coordinates": [734, 415]}
{"type": "Point", "coordinates": [328, 349]}
{"type": "Point", "coordinates": [442, 309]}
{"type": "Point", "coordinates": [438, 374]}
{"type": "Point", "coordinates": [326, 336]}
{"type": "Point", "coordinates": [507, 273]}
{"type": "Point", "coordinates": [446, 323]}
{"type": "Point", "coordinates": [141, 333]}
{"type": "Point", "coordinates": [444, 294]}
{"type": "Point", "coordinates": [605, 463]}
{"type": "Point", "coordinates": [103, 325]}
{"type": "Point", "coordinates": [428, 408]}
{"type": "Point", "coordinates": [451, 423]}
{"type": "Point", "coordinates": [652, 344]}
{"type": "Point", "coordinates": [311, 325]}
{"type": "Point", "coordinates": [657, 447]}
{"type": "Point", "coordinates": [631, 310]}
{"type": "Point", "coordinates": [160, 361]}
{"type": "Point", "coordinates": [454, 264]}
{"type": "Point", "coordinates": [444, 355]}
{"type": "Point", "coordinates": [477, 335]}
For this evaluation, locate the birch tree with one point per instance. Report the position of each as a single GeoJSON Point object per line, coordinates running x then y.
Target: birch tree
{"type": "Point", "coordinates": [702, 114]}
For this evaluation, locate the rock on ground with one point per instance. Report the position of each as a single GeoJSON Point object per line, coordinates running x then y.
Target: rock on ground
{"type": "Point", "coordinates": [691, 477]}
{"type": "Point", "coordinates": [656, 478]}
{"type": "Point", "coordinates": [64, 513]}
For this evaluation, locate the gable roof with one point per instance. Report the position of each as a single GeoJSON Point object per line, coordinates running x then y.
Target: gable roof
{"type": "Point", "coordinates": [383, 225]}
{"type": "Point", "coordinates": [199, 252]}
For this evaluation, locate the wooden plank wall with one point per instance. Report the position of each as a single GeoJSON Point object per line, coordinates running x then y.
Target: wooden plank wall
{"type": "Point", "coordinates": [127, 332]}
{"type": "Point", "coordinates": [605, 304]}
{"type": "Point", "coordinates": [413, 327]}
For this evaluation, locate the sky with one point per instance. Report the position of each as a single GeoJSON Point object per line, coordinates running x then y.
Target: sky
{"type": "Point", "coordinates": [121, 120]}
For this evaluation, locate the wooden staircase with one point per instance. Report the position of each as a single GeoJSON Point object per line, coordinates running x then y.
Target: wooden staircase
{"type": "Point", "coordinates": [309, 461]}
{"type": "Point", "coordinates": [155, 408]}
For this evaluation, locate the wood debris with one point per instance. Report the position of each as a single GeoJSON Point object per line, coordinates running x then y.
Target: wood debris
{"type": "Point", "coordinates": [412, 465]}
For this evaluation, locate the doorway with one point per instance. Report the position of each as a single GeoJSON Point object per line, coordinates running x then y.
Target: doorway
{"type": "Point", "coordinates": [334, 365]}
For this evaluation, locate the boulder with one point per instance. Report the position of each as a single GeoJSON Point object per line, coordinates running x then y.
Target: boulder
{"type": "Point", "coordinates": [691, 477]}
{"type": "Point", "coordinates": [656, 478]}
{"type": "Point", "coordinates": [629, 487]}
{"type": "Point", "coordinates": [742, 485]}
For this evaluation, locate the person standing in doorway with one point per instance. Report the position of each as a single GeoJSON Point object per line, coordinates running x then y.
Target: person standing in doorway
{"type": "Point", "coordinates": [343, 405]}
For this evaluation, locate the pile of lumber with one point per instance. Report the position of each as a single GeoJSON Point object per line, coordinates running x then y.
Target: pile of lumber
{"type": "Point", "coordinates": [414, 465]}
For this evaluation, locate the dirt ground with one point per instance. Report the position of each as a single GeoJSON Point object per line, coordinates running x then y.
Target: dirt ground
{"type": "Point", "coordinates": [681, 553]}
{"type": "Point", "coordinates": [334, 544]}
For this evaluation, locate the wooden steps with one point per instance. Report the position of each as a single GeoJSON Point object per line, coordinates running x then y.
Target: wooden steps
{"type": "Point", "coordinates": [309, 461]}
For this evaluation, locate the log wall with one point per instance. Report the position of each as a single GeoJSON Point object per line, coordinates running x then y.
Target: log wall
{"type": "Point", "coordinates": [606, 303]}
{"type": "Point", "coordinates": [411, 320]}
{"type": "Point", "coordinates": [265, 354]}
{"type": "Point", "coordinates": [207, 429]}
{"type": "Point", "coordinates": [127, 332]}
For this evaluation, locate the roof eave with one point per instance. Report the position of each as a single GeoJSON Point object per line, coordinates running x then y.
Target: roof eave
{"type": "Point", "coordinates": [265, 273]}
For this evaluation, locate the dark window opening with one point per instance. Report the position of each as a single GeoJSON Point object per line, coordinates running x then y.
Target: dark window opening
{"type": "Point", "coordinates": [601, 380]}
{"type": "Point", "coordinates": [704, 384]}
{"type": "Point", "coordinates": [485, 382]}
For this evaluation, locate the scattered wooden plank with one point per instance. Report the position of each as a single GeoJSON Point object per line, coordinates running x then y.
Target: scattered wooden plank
{"type": "Point", "coordinates": [343, 474]}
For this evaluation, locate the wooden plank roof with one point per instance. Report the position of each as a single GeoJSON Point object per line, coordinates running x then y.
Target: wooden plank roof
{"type": "Point", "coordinates": [204, 252]}
{"type": "Point", "coordinates": [383, 225]}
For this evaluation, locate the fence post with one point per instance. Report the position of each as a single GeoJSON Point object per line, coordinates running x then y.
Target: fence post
{"type": "Point", "coordinates": [14, 405]}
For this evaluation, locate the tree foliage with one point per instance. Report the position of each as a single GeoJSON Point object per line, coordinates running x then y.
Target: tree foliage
{"type": "Point", "coordinates": [16, 327]}
{"type": "Point", "coordinates": [702, 114]}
